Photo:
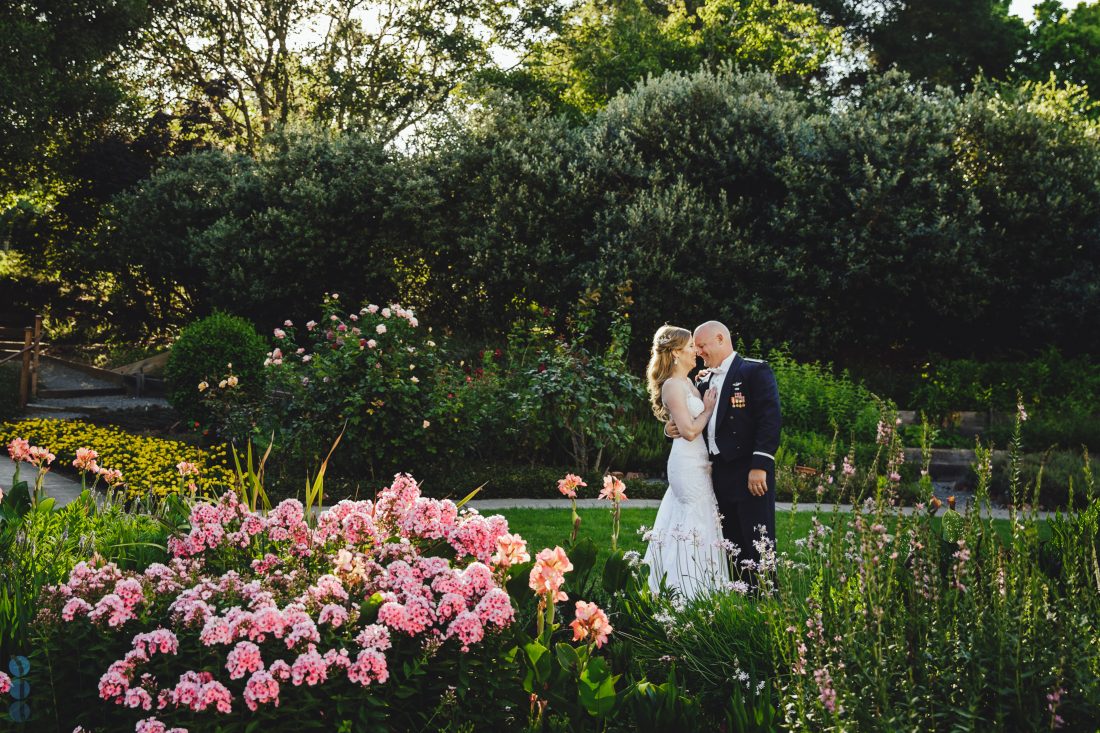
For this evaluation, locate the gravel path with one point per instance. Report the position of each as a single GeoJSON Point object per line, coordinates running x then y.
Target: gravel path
{"type": "Point", "coordinates": [52, 375]}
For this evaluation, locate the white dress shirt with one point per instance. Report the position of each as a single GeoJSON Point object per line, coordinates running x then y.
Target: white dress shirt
{"type": "Point", "coordinates": [718, 381]}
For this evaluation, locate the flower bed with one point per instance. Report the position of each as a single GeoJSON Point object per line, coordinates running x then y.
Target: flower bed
{"type": "Point", "coordinates": [148, 465]}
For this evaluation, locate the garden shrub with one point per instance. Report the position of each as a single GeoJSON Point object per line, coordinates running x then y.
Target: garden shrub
{"type": "Point", "coordinates": [204, 352]}
{"type": "Point", "coordinates": [390, 614]}
{"type": "Point", "coordinates": [365, 372]}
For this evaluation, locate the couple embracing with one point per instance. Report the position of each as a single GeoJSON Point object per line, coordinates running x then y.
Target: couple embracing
{"type": "Point", "coordinates": [718, 516]}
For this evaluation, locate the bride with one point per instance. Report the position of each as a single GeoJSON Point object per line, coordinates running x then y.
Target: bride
{"type": "Point", "coordinates": [685, 545]}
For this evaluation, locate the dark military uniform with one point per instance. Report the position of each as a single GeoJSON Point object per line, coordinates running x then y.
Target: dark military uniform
{"type": "Point", "coordinates": [747, 435]}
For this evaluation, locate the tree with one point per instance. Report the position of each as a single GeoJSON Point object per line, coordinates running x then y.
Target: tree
{"type": "Point", "coordinates": [377, 65]}
{"type": "Point", "coordinates": [1065, 43]}
{"type": "Point", "coordinates": [604, 48]}
{"type": "Point", "coordinates": [939, 42]}
{"type": "Point", "coordinates": [58, 86]}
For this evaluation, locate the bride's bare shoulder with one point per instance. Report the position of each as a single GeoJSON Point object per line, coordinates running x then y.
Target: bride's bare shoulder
{"type": "Point", "coordinates": [677, 387]}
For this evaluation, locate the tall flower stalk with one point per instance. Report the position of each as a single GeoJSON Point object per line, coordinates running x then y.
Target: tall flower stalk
{"type": "Point", "coordinates": [614, 490]}
{"type": "Point", "coordinates": [568, 487]}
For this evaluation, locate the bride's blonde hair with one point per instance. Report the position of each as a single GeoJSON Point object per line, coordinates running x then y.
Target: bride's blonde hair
{"type": "Point", "coordinates": [661, 364]}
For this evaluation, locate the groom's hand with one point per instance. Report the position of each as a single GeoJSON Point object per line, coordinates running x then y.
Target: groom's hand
{"type": "Point", "coordinates": [671, 431]}
{"type": "Point", "coordinates": [758, 482]}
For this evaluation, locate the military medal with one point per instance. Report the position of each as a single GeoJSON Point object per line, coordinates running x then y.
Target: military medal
{"type": "Point", "coordinates": [738, 399]}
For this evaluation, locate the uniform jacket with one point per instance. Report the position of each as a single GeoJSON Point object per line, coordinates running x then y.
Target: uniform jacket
{"type": "Point", "coordinates": [747, 423]}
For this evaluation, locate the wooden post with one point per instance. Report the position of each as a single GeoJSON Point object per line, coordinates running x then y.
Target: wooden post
{"type": "Point", "coordinates": [37, 351]}
{"type": "Point", "coordinates": [25, 372]}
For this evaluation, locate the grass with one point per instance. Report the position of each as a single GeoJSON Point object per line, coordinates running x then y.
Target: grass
{"type": "Point", "coordinates": [549, 527]}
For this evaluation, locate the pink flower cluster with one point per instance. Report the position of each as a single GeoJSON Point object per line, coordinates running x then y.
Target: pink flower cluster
{"type": "Point", "coordinates": [23, 452]}
{"type": "Point", "coordinates": [591, 623]}
{"type": "Point", "coordinates": [613, 489]}
{"type": "Point", "coordinates": [5, 683]}
{"type": "Point", "coordinates": [85, 462]}
{"type": "Point", "coordinates": [548, 575]}
{"type": "Point", "coordinates": [294, 617]}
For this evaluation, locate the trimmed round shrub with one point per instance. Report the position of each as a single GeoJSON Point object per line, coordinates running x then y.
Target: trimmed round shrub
{"type": "Point", "coordinates": [209, 350]}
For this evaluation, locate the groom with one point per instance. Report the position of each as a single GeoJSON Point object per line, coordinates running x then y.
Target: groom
{"type": "Point", "coordinates": [741, 438]}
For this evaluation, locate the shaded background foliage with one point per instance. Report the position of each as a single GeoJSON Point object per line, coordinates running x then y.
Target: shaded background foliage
{"type": "Point", "coordinates": [903, 223]}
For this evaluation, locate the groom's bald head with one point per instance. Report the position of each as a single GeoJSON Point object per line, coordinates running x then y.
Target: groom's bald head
{"type": "Point", "coordinates": [713, 343]}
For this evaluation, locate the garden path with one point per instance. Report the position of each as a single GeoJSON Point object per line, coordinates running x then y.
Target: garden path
{"type": "Point", "coordinates": [780, 506]}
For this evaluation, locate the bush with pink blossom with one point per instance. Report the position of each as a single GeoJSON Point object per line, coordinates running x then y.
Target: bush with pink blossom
{"type": "Point", "coordinates": [365, 370]}
{"type": "Point", "coordinates": [371, 615]}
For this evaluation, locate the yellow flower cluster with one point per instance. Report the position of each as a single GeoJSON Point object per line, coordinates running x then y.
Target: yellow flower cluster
{"type": "Point", "coordinates": [147, 464]}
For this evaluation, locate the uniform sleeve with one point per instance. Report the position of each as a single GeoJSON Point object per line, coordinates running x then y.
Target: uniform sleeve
{"type": "Point", "coordinates": [765, 393]}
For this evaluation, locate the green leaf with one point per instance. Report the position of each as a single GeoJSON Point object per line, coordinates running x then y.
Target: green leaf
{"type": "Point", "coordinates": [616, 572]}
{"type": "Point", "coordinates": [596, 689]}
{"type": "Point", "coordinates": [567, 655]}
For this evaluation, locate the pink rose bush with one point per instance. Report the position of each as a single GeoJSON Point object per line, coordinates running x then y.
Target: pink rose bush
{"type": "Point", "coordinates": [252, 610]}
{"type": "Point", "coordinates": [369, 371]}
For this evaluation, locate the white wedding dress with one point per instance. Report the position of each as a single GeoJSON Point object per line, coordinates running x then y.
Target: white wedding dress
{"type": "Point", "coordinates": [685, 544]}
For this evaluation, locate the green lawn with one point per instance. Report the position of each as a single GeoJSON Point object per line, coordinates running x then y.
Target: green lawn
{"type": "Point", "coordinates": [549, 527]}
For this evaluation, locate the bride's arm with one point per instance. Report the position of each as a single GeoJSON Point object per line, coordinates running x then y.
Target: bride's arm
{"type": "Point", "coordinates": [675, 398]}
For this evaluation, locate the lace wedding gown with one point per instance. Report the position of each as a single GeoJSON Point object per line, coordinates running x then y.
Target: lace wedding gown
{"type": "Point", "coordinates": [685, 544]}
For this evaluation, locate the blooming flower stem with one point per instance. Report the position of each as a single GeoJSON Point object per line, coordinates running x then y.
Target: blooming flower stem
{"type": "Point", "coordinates": [615, 514]}
{"type": "Point", "coordinates": [576, 521]}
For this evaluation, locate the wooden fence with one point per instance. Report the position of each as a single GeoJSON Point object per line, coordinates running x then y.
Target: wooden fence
{"type": "Point", "coordinates": [25, 345]}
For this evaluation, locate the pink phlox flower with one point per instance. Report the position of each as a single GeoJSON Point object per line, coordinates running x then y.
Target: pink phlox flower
{"type": "Point", "coordinates": [369, 666]}
{"type": "Point", "coordinates": [326, 588]}
{"type": "Point", "coordinates": [261, 688]}
{"type": "Point", "coordinates": [130, 591]}
{"type": "Point", "coordinates": [495, 607]}
{"type": "Point", "coordinates": [243, 659]}
{"type": "Point", "coordinates": [280, 670]}
{"type": "Point", "coordinates": [152, 725]}
{"type": "Point", "coordinates": [309, 668]}
{"type": "Point", "coordinates": [138, 697]}
{"type": "Point", "coordinates": [215, 632]}
{"type": "Point", "coordinates": [468, 628]}
{"type": "Point", "coordinates": [158, 641]}
{"type": "Point", "coordinates": [374, 637]}
{"type": "Point", "coordinates": [474, 536]}
{"type": "Point", "coordinates": [113, 684]}
{"type": "Point", "coordinates": [216, 694]}
{"type": "Point", "coordinates": [302, 630]}
{"type": "Point", "coordinates": [112, 609]}
{"type": "Point", "coordinates": [337, 659]}
{"type": "Point", "coordinates": [288, 513]}
{"type": "Point", "coordinates": [568, 486]}
{"type": "Point", "coordinates": [333, 615]}
{"type": "Point", "coordinates": [266, 564]}
{"type": "Point", "coordinates": [476, 581]}
{"type": "Point", "coordinates": [450, 606]}
{"type": "Point", "coordinates": [75, 607]}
